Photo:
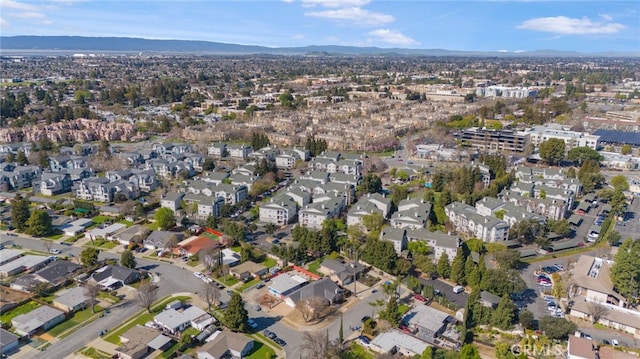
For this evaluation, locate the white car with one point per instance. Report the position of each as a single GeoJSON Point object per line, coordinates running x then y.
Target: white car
{"type": "Point", "coordinates": [54, 251]}
{"type": "Point", "coordinates": [615, 342]}
{"type": "Point", "coordinates": [198, 275]}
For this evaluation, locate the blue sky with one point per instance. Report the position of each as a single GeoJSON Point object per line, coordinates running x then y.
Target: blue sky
{"type": "Point", "coordinates": [483, 25]}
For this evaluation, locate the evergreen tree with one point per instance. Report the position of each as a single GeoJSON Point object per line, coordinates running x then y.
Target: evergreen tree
{"type": "Point", "coordinates": [22, 159]}
{"type": "Point", "coordinates": [504, 314]}
{"type": "Point", "coordinates": [525, 318]}
{"type": "Point", "coordinates": [128, 260]}
{"type": "Point", "coordinates": [457, 268]}
{"type": "Point", "coordinates": [89, 257]}
{"type": "Point", "coordinates": [444, 268]}
{"type": "Point", "coordinates": [469, 351]}
{"type": "Point", "coordinates": [473, 278]}
{"type": "Point", "coordinates": [625, 272]}
{"type": "Point", "coordinates": [39, 223]}
{"type": "Point", "coordinates": [236, 315]}
{"type": "Point", "coordinates": [20, 213]}
{"type": "Point", "coordinates": [391, 313]}
{"type": "Point", "coordinates": [469, 266]}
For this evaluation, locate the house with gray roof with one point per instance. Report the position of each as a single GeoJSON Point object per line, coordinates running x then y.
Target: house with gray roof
{"type": "Point", "coordinates": [440, 242]}
{"type": "Point", "coordinates": [139, 341]}
{"type": "Point", "coordinates": [27, 262]}
{"type": "Point", "coordinates": [316, 176]}
{"type": "Point", "coordinates": [57, 272]}
{"type": "Point", "coordinates": [172, 200]}
{"type": "Point", "coordinates": [395, 341]}
{"type": "Point", "coordinates": [284, 284]}
{"type": "Point", "coordinates": [72, 300]}
{"type": "Point", "coordinates": [9, 342]}
{"type": "Point", "coordinates": [397, 236]}
{"type": "Point", "coordinates": [205, 206]}
{"type": "Point", "coordinates": [429, 324]}
{"type": "Point", "coordinates": [160, 239]}
{"type": "Point", "coordinates": [324, 289]}
{"type": "Point", "coordinates": [226, 344]}
{"type": "Point", "coordinates": [341, 271]}
{"type": "Point", "coordinates": [52, 184]}
{"type": "Point", "coordinates": [175, 321]}
{"type": "Point", "coordinates": [489, 300]}
{"type": "Point", "coordinates": [42, 318]}
{"type": "Point", "coordinates": [109, 276]}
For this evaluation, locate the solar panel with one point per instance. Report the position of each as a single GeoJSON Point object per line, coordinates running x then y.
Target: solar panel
{"type": "Point", "coordinates": [618, 137]}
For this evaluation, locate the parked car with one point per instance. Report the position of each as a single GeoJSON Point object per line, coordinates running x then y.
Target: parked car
{"type": "Point", "coordinates": [615, 342]}
{"type": "Point", "coordinates": [365, 318]}
{"type": "Point", "coordinates": [458, 289]}
{"type": "Point", "coordinates": [269, 334]}
{"type": "Point", "coordinates": [419, 297]}
{"type": "Point", "coordinates": [280, 342]}
{"type": "Point", "coordinates": [252, 324]}
{"type": "Point", "coordinates": [260, 285]}
{"type": "Point", "coordinates": [54, 251]}
{"type": "Point", "coordinates": [364, 340]}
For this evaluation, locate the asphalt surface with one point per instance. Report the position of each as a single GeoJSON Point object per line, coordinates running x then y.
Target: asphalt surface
{"type": "Point", "coordinates": [447, 291]}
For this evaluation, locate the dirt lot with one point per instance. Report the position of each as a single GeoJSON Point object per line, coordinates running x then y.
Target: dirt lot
{"type": "Point", "coordinates": [9, 296]}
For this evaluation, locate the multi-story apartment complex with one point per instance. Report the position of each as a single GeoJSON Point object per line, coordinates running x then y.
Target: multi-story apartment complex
{"type": "Point", "coordinates": [466, 219]}
{"type": "Point", "coordinates": [572, 139]}
{"type": "Point", "coordinates": [493, 140]}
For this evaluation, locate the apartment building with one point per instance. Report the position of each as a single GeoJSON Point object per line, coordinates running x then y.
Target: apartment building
{"type": "Point", "coordinates": [493, 140]}
{"type": "Point", "coordinates": [572, 139]}
{"type": "Point", "coordinates": [467, 220]}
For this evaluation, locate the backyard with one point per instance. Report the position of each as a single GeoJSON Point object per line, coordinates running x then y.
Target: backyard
{"type": "Point", "coordinates": [261, 351]}
{"type": "Point", "coordinates": [23, 309]}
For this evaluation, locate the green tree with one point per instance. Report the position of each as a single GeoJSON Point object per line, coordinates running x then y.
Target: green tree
{"type": "Point", "coordinates": [501, 281]}
{"type": "Point", "coordinates": [552, 151]}
{"type": "Point", "coordinates": [469, 351]}
{"type": "Point", "coordinates": [580, 154]}
{"type": "Point", "coordinates": [373, 222]}
{"type": "Point", "coordinates": [626, 149]}
{"type": "Point", "coordinates": [504, 314]}
{"type": "Point", "coordinates": [341, 332]}
{"type": "Point", "coordinates": [590, 176]}
{"type": "Point", "coordinates": [557, 328]}
{"type": "Point", "coordinates": [39, 223]}
{"type": "Point", "coordinates": [89, 257]}
{"type": "Point", "coordinates": [444, 268]}
{"type": "Point", "coordinates": [20, 213]}
{"type": "Point", "coordinates": [165, 218]}
{"type": "Point", "coordinates": [457, 268]}
{"type": "Point", "coordinates": [371, 183]}
{"type": "Point", "coordinates": [507, 258]}
{"type": "Point", "coordinates": [21, 158]}
{"type": "Point", "coordinates": [128, 260]}
{"type": "Point", "coordinates": [525, 318]}
{"type": "Point", "coordinates": [236, 315]}
{"type": "Point", "coordinates": [391, 313]}
{"type": "Point", "coordinates": [614, 237]}
{"type": "Point", "coordinates": [619, 183]}
{"type": "Point", "coordinates": [625, 272]}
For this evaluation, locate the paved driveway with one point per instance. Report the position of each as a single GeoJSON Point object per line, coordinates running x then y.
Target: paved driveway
{"type": "Point", "coordinates": [447, 291]}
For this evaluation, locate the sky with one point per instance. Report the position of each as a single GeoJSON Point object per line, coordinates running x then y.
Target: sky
{"type": "Point", "coordinates": [479, 25]}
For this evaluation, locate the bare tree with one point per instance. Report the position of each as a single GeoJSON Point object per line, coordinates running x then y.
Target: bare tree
{"type": "Point", "coordinates": [210, 294]}
{"type": "Point", "coordinates": [314, 308]}
{"type": "Point", "coordinates": [147, 294]}
{"type": "Point", "coordinates": [597, 310]}
{"type": "Point", "coordinates": [172, 243]}
{"type": "Point", "coordinates": [316, 344]}
{"type": "Point", "coordinates": [48, 245]}
{"type": "Point", "coordinates": [92, 291]}
{"type": "Point", "coordinates": [305, 310]}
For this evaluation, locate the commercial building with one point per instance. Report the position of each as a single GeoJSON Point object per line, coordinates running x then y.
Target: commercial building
{"type": "Point", "coordinates": [493, 140]}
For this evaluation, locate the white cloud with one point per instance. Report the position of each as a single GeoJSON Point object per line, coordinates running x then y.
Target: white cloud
{"type": "Point", "coordinates": [354, 15]}
{"type": "Point", "coordinates": [334, 3]}
{"type": "Point", "coordinates": [298, 37]}
{"type": "Point", "coordinates": [570, 26]}
{"type": "Point", "coordinates": [606, 17]}
{"type": "Point", "coordinates": [393, 37]}
{"type": "Point", "coordinates": [4, 23]}
{"type": "Point", "coordinates": [11, 4]}
{"type": "Point", "coordinates": [28, 15]}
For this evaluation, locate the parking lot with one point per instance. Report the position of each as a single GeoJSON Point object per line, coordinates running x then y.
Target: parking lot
{"type": "Point", "coordinates": [446, 290]}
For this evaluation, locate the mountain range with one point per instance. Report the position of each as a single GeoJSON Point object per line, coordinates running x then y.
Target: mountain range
{"type": "Point", "coordinates": [128, 44]}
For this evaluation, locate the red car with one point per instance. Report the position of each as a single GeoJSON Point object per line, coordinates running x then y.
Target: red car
{"type": "Point", "coordinates": [419, 297]}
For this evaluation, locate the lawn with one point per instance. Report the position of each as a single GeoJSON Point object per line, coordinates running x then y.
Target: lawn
{"type": "Point", "coordinates": [101, 219]}
{"type": "Point", "coordinates": [95, 353]}
{"type": "Point", "coordinates": [249, 284]}
{"type": "Point", "coordinates": [55, 236]}
{"type": "Point", "coordinates": [141, 318]}
{"type": "Point", "coordinates": [154, 226]}
{"type": "Point", "coordinates": [269, 262]}
{"type": "Point", "coordinates": [108, 297]}
{"type": "Point", "coordinates": [77, 319]}
{"type": "Point", "coordinates": [402, 308]}
{"type": "Point", "coordinates": [358, 352]}
{"type": "Point", "coordinates": [314, 266]}
{"type": "Point", "coordinates": [126, 223]}
{"type": "Point", "coordinates": [102, 243]}
{"type": "Point", "coordinates": [228, 280]}
{"type": "Point", "coordinates": [261, 351]}
{"type": "Point", "coordinates": [23, 309]}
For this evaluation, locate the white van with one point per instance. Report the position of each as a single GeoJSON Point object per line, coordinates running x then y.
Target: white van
{"type": "Point", "coordinates": [458, 289]}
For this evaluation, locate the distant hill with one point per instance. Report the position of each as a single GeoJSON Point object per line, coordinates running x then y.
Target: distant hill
{"type": "Point", "coordinates": [127, 44]}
